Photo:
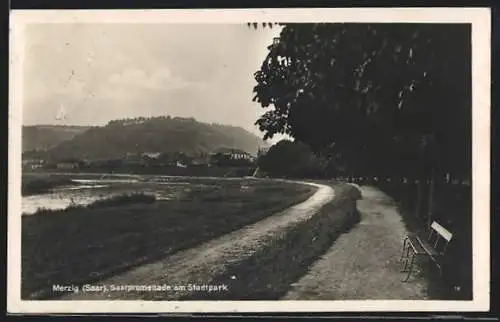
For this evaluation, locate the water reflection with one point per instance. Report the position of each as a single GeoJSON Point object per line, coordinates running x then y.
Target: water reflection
{"type": "Point", "coordinates": [87, 191]}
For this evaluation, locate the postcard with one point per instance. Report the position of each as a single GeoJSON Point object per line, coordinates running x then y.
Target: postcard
{"type": "Point", "coordinates": [249, 160]}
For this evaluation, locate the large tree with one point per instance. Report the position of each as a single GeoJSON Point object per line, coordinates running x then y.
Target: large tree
{"type": "Point", "coordinates": [389, 97]}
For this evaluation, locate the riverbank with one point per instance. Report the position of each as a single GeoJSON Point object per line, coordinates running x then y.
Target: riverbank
{"type": "Point", "coordinates": [201, 265]}
{"type": "Point", "coordinates": [113, 201]}
{"type": "Point", "coordinates": [42, 183]}
{"type": "Point", "coordinates": [86, 245]}
{"type": "Point", "coordinates": [189, 171]}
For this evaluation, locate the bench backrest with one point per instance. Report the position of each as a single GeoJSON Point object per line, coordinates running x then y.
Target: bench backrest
{"type": "Point", "coordinates": [439, 233]}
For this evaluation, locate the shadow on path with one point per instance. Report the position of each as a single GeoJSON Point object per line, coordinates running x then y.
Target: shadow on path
{"type": "Point", "coordinates": [364, 263]}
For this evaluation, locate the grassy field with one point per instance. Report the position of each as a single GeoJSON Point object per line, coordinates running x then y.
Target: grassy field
{"type": "Point", "coordinates": [87, 244]}
{"type": "Point", "coordinates": [268, 274]}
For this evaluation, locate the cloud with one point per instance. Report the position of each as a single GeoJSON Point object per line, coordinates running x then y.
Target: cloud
{"type": "Point", "coordinates": [160, 79]}
{"type": "Point", "coordinates": [124, 70]}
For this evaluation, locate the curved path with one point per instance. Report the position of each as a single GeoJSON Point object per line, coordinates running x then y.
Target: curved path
{"type": "Point", "coordinates": [363, 264]}
{"type": "Point", "coordinates": [200, 264]}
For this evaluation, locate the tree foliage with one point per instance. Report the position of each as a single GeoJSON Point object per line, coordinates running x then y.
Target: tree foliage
{"type": "Point", "coordinates": [291, 159]}
{"type": "Point", "coordinates": [378, 92]}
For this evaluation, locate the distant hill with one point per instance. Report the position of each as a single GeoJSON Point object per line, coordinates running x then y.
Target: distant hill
{"type": "Point", "coordinates": [44, 137]}
{"type": "Point", "coordinates": [158, 134]}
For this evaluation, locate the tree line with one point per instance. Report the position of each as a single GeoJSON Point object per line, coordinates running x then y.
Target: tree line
{"type": "Point", "coordinates": [373, 99]}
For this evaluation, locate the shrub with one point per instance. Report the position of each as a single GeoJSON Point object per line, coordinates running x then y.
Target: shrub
{"type": "Point", "coordinates": [122, 200]}
{"type": "Point", "coordinates": [118, 200]}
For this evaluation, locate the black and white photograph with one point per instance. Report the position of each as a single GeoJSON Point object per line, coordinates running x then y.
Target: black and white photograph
{"type": "Point", "coordinates": [194, 161]}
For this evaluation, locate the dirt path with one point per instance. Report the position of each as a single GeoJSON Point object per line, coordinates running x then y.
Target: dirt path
{"type": "Point", "coordinates": [363, 263]}
{"type": "Point", "coordinates": [199, 265]}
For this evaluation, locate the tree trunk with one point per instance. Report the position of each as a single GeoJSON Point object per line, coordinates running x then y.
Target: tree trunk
{"type": "Point", "coordinates": [418, 206]}
{"type": "Point", "coordinates": [420, 184]}
{"type": "Point", "coordinates": [431, 198]}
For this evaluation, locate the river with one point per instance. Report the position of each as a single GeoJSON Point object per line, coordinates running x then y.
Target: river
{"type": "Point", "coordinates": [88, 189]}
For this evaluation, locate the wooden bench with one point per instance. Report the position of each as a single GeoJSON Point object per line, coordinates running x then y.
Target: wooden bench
{"type": "Point", "coordinates": [434, 247]}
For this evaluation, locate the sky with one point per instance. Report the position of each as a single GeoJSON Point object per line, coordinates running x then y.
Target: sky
{"type": "Point", "coordinates": [99, 72]}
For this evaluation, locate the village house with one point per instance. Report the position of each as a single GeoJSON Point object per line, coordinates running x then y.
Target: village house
{"type": "Point", "coordinates": [33, 163]}
{"type": "Point", "coordinates": [180, 165]}
{"type": "Point", "coordinates": [240, 155]}
{"type": "Point", "coordinates": [262, 151]}
{"type": "Point", "coordinates": [151, 155]}
{"type": "Point", "coordinates": [148, 158]}
{"type": "Point", "coordinates": [68, 165]}
{"type": "Point", "coordinates": [236, 154]}
{"type": "Point", "coordinates": [223, 155]}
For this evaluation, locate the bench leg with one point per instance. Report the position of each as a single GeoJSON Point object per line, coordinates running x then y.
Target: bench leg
{"type": "Point", "coordinates": [410, 269]}
{"type": "Point", "coordinates": [406, 257]}
{"type": "Point", "coordinates": [404, 248]}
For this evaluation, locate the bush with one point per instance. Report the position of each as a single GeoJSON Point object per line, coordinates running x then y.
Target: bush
{"type": "Point", "coordinates": [108, 202]}
{"type": "Point", "coordinates": [123, 200]}
{"type": "Point", "coordinates": [292, 160]}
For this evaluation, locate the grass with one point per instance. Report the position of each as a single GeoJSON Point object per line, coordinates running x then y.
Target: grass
{"type": "Point", "coordinates": [87, 244]}
{"type": "Point", "coordinates": [268, 274]}
{"type": "Point", "coordinates": [115, 201]}
{"type": "Point", "coordinates": [453, 210]}
{"type": "Point", "coordinates": [38, 184]}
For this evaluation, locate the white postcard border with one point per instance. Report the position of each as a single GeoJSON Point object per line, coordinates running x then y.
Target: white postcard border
{"type": "Point", "coordinates": [481, 66]}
